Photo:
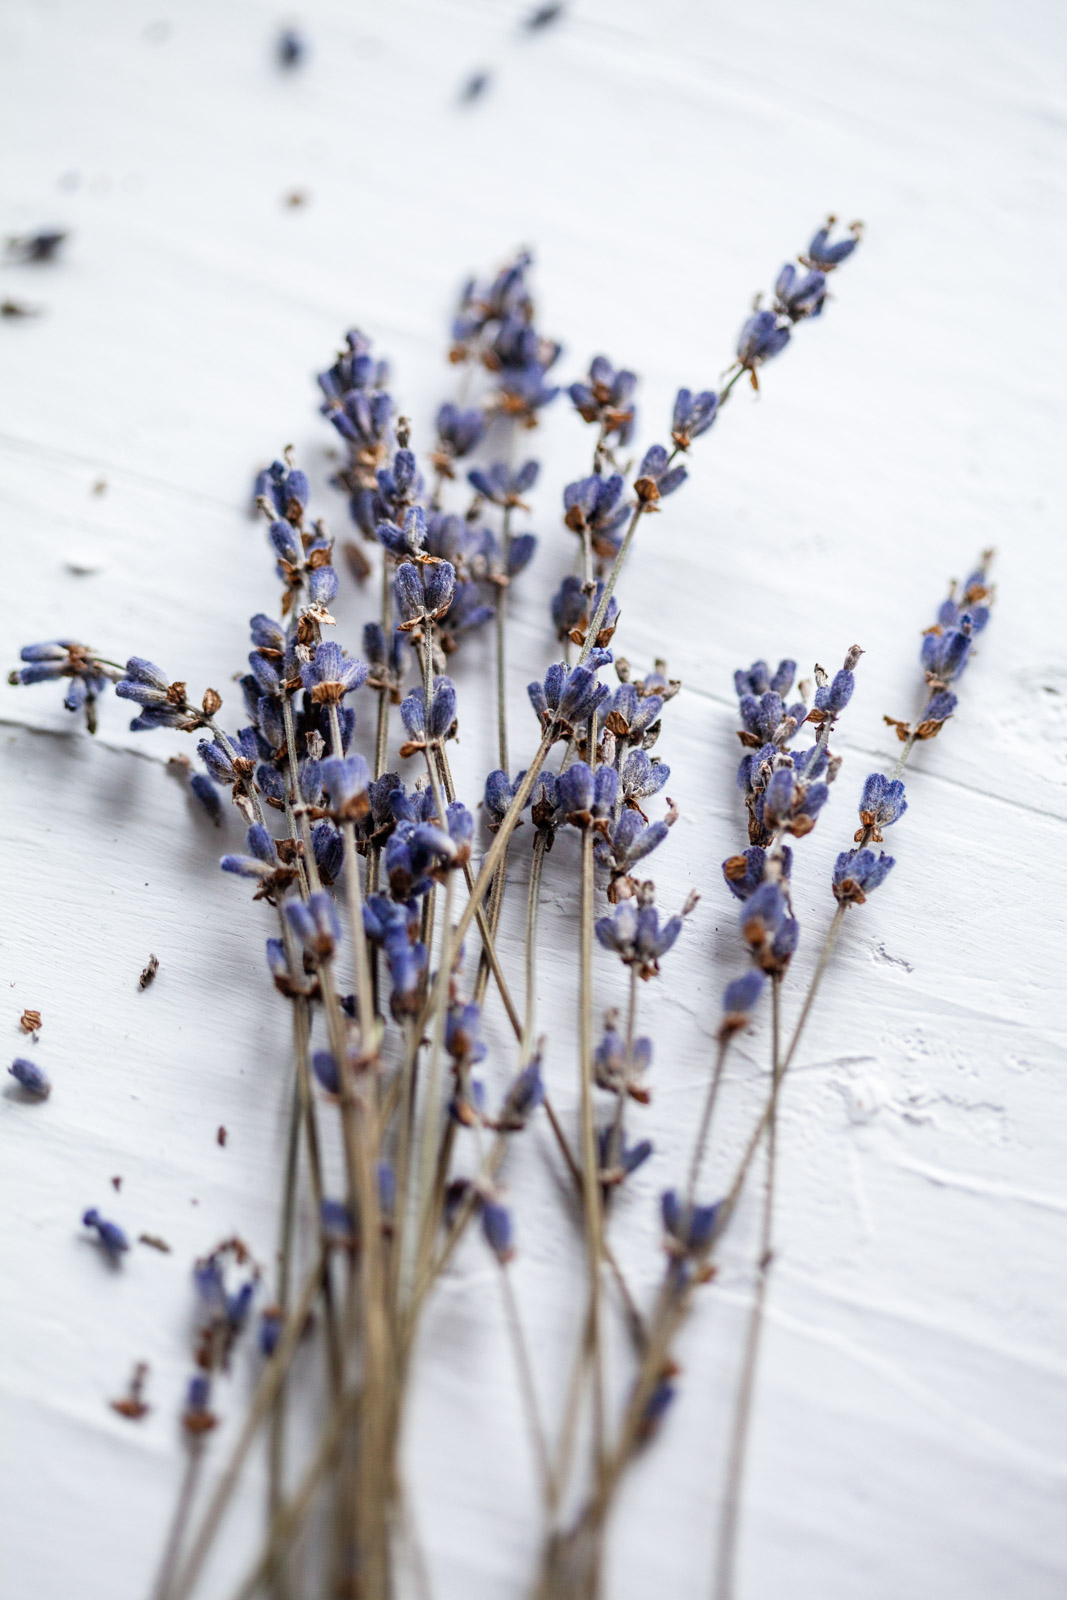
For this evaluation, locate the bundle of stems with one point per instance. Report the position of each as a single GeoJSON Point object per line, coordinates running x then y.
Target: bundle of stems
{"type": "Point", "coordinates": [383, 937]}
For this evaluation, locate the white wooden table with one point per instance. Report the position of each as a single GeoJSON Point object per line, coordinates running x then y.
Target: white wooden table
{"type": "Point", "coordinates": [909, 1436]}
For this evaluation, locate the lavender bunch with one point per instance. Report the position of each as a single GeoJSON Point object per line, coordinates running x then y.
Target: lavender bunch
{"type": "Point", "coordinates": [366, 873]}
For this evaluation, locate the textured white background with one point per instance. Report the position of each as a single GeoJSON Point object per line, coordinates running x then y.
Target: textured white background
{"type": "Point", "coordinates": [910, 1429]}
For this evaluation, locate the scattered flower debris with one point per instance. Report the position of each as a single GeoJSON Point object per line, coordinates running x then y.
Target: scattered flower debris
{"type": "Point", "coordinates": [132, 1404]}
{"type": "Point", "coordinates": [474, 88]}
{"type": "Point", "coordinates": [30, 1021]}
{"type": "Point", "coordinates": [18, 308]}
{"type": "Point", "coordinates": [30, 1077]}
{"type": "Point", "coordinates": [42, 246]}
{"type": "Point", "coordinates": [356, 561]}
{"type": "Point", "coordinates": [543, 17]}
{"type": "Point", "coordinates": [149, 973]}
{"type": "Point", "coordinates": [291, 49]}
{"type": "Point", "coordinates": [112, 1240]}
{"type": "Point", "coordinates": [221, 1137]}
{"type": "Point", "coordinates": [152, 1239]}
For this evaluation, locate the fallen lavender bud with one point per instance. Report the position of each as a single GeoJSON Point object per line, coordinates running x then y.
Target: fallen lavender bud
{"type": "Point", "coordinates": [30, 1077]}
{"type": "Point", "coordinates": [110, 1236]}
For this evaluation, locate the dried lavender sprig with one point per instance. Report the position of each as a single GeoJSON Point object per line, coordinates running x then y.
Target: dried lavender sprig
{"type": "Point", "coordinates": [657, 469]}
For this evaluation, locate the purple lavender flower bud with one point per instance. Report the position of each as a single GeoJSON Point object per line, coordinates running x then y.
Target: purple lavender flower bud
{"type": "Point", "coordinates": [315, 924]}
{"type": "Point", "coordinates": [631, 840]}
{"type": "Point", "coordinates": [290, 49]}
{"type": "Point", "coordinates": [30, 1077]}
{"type": "Point", "coordinates": [881, 804]}
{"type": "Point", "coordinates": [198, 1417]}
{"type": "Point", "coordinates": [337, 1226]}
{"type": "Point", "coordinates": [618, 932]}
{"type": "Point", "coordinates": [826, 256]}
{"type": "Point", "coordinates": [521, 553]}
{"type": "Point", "coordinates": [322, 585]}
{"type": "Point", "coordinates": [442, 709]}
{"type": "Point", "coordinates": [459, 431]}
{"type": "Point", "coordinates": [762, 914]}
{"type": "Point", "coordinates": [652, 940]}
{"type": "Point", "coordinates": [413, 715]}
{"type": "Point", "coordinates": [740, 997]}
{"type": "Point", "coordinates": [498, 794]}
{"type": "Point", "coordinates": [346, 781]}
{"type": "Point", "coordinates": [500, 485]}
{"type": "Point", "coordinates": [581, 695]}
{"type": "Point", "coordinates": [690, 1229]}
{"type": "Point", "coordinates": [207, 795]}
{"type": "Point", "coordinates": [642, 777]}
{"type": "Point", "coordinates": [858, 872]}
{"type": "Point", "coordinates": [762, 337]}
{"type": "Point", "coordinates": [575, 789]}
{"type": "Point", "coordinates": [744, 873]}
{"type": "Point", "coordinates": [605, 792]}
{"type": "Point", "coordinates": [440, 587]}
{"type": "Point", "coordinates": [330, 674]}
{"type": "Point", "coordinates": [940, 707]}
{"type": "Point", "coordinates": [628, 1157]}
{"type": "Point", "coordinates": [111, 1238]}
{"type": "Point", "coordinates": [656, 478]}
{"type": "Point", "coordinates": [408, 593]}
{"type": "Point", "coordinates": [328, 849]}
{"type": "Point", "coordinates": [523, 1098]}
{"type": "Point", "coordinates": [778, 797]}
{"type": "Point", "coordinates": [496, 1226]}
{"type": "Point", "coordinates": [462, 1033]}
{"type": "Point", "coordinates": [798, 297]}
{"type": "Point", "coordinates": [569, 606]}
{"type": "Point", "coordinates": [606, 398]}
{"type": "Point", "coordinates": [271, 1322]}
{"type": "Point", "coordinates": [832, 698]}
{"type": "Point", "coordinates": [324, 1066]}
{"type": "Point", "coordinates": [693, 415]}
{"type": "Point", "coordinates": [460, 825]}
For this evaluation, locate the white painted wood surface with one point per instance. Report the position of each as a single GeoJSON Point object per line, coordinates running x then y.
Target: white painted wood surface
{"type": "Point", "coordinates": [910, 1430]}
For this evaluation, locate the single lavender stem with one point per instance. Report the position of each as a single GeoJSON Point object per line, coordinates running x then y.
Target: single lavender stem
{"type": "Point", "coordinates": [533, 901]}
{"type": "Point", "coordinates": [591, 1193]}
{"type": "Point", "coordinates": [726, 1555]}
{"type": "Point", "coordinates": [705, 1124]}
{"type": "Point", "coordinates": [276, 1455]}
{"type": "Point", "coordinates": [527, 1385]}
{"type": "Point", "coordinates": [615, 1138]}
{"type": "Point", "coordinates": [302, 1037]}
{"type": "Point", "coordinates": [609, 586]}
{"type": "Point", "coordinates": [162, 1589]}
{"type": "Point", "coordinates": [501, 663]}
{"type": "Point", "coordinates": [491, 859]}
{"type": "Point", "coordinates": [432, 1109]}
